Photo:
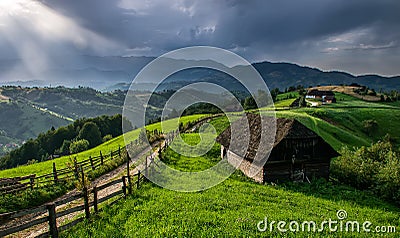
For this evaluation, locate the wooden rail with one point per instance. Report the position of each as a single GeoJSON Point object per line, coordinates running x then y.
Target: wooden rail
{"type": "Point", "coordinates": [49, 214]}
{"type": "Point", "coordinates": [12, 185]}
{"type": "Point", "coordinates": [17, 184]}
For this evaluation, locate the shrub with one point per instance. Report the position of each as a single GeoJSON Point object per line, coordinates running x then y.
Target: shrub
{"type": "Point", "coordinates": [30, 198]}
{"type": "Point", "coordinates": [376, 168]}
{"type": "Point", "coordinates": [79, 146]}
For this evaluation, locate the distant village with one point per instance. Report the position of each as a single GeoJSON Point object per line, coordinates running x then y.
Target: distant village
{"type": "Point", "coordinates": [326, 97]}
{"type": "Point", "coordinates": [7, 147]}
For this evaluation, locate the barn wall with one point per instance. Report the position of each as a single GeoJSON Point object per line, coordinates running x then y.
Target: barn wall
{"type": "Point", "coordinates": [243, 165]}
{"type": "Point", "coordinates": [277, 172]}
{"type": "Point", "coordinates": [318, 170]}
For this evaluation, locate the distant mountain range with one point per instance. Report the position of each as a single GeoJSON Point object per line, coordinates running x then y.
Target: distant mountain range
{"type": "Point", "coordinates": [110, 73]}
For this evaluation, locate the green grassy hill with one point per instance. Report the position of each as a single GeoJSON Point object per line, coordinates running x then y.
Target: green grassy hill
{"type": "Point", "coordinates": [70, 102]}
{"type": "Point", "coordinates": [342, 123]}
{"type": "Point", "coordinates": [350, 113]}
{"type": "Point", "coordinates": [111, 145]}
{"type": "Point", "coordinates": [234, 207]}
{"type": "Point", "coordinates": [36, 110]}
{"type": "Point", "coordinates": [20, 121]}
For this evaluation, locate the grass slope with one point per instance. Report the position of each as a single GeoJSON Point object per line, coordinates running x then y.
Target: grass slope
{"type": "Point", "coordinates": [113, 144]}
{"type": "Point", "coordinates": [341, 123]}
{"type": "Point", "coordinates": [232, 208]}
{"type": "Point", "coordinates": [284, 102]}
{"type": "Point", "coordinates": [347, 101]}
{"type": "Point", "coordinates": [21, 121]}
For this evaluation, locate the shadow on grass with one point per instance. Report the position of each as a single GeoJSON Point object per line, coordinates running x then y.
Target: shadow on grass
{"type": "Point", "coordinates": [335, 191]}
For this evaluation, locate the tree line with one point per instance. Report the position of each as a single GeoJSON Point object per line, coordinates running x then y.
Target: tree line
{"type": "Point", "coordinates": [81, 135]}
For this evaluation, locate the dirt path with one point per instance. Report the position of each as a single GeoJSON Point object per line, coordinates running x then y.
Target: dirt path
{"type": "Point", "coordinates": [108, 177]}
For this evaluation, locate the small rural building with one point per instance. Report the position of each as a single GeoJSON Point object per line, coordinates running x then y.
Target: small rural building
{"type": "Point", "coordinates": [298, 153]}
{"type": "Point", "coordinates": [325, 96]}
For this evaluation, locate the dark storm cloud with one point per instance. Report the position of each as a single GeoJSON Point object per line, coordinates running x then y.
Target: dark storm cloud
{"type": "Point", "coordinates": [309, 32]}
{"type": "Point", "coordinates": [286, 22]}
{"type": "Point", "coordinates": [237, 23]}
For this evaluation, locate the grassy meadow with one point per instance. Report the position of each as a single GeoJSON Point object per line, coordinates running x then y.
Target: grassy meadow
{"type": "Point", "coordinates": [111, 145]}
{"type": "Point", "coordinates": [234, 207]}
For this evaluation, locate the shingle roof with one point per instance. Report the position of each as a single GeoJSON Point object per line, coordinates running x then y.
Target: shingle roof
{"type": "Point", "coordinates": [285, 128]}
{"type": "Point", "coordinates": [316, 92]}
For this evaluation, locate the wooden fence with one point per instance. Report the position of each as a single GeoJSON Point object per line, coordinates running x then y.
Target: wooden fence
{"type": "Point", "coordinates": [17, 184]}
{"type": "Point", "coordinates": [13, 185]}
{"type": "Point", "coordinates": [92, 163]}
{"type": "Point", "coordinates": [49, 214]}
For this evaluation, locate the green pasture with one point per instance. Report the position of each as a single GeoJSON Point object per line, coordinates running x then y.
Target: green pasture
{"type": "Point", "coordinates": [234, 207]}
{"type": "Point", "coordinates": [111, 145]}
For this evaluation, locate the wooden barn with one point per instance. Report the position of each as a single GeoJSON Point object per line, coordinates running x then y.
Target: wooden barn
{"type": "Point", "coordinates": [298, 154]}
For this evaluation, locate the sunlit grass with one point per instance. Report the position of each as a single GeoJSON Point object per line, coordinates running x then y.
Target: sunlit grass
{"type": "Point", "coordinates": [111, 145]}
{"type": "Point", "coordinates": [284, 103]}
{"type": "Point", "coordinates": [232, 208]}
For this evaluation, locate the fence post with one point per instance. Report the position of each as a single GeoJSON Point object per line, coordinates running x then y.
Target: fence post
{"type": "Point", "coordinates": [127, 164]}
{"type": "Point", "coordinates": [32, 182]}
{"type": "Point", "coordinates": [76, 169]}
{"type": "Point", "coordinates": [52, 220]}
{"type": "Point", "coordinates": [124, 186]}
{"type": "Point", "coordinates": [138, 180]}
{"type": "Point", "coordinates": [128, 174]}
{"type": "Point", "coordinates": [95, 199]}
{"type": "Point", "coordinates": [55, 173]}
{"type": "Point", "coordinates": [91, 162]}
{"type": "Point", "coordinates": [145, 169]}
{"type": "Point", "coordinates": [101, 158]}
{"type": "Point", "coordinates": [85, 196]}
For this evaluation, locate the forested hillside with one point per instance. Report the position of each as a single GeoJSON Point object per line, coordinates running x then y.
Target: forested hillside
{"type": "Point", "coordinates": [76, 137]}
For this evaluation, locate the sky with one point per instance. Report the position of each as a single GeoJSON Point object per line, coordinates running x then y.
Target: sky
{"type": "Point", "coordinates": [358, 36]}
